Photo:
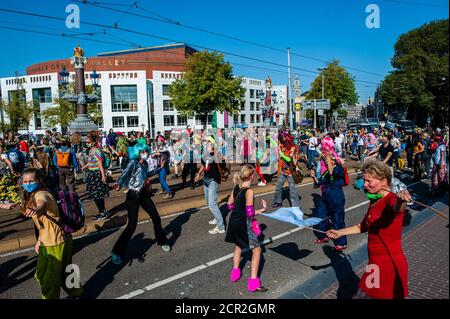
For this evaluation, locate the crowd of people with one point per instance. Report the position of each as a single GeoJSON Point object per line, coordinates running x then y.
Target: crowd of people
{"type": "Point", "coordinates": [56, 162]}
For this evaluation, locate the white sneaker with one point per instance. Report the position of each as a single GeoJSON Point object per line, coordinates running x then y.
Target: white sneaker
{"type": "Point", "coordinates": [166, 248]}
{"type": "Point", "coordinates": [261, 184]}
{"type": "Point", "coordinates": [213, 222]}
{"type": "Point", "coordinates": [216, 230]}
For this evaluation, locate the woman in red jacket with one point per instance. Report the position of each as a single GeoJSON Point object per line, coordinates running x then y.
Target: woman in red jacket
{"type": "Point", "coordinates": [386, 276]}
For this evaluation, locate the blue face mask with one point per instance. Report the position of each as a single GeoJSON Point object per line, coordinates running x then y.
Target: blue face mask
{"type": "Point", "coordinates": [29, 188]}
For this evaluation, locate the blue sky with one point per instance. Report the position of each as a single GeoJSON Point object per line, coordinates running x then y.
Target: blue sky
{"type": "Point", "coordinates": [321, 29]}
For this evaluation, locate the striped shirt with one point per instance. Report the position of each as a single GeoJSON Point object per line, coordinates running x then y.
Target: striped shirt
{"type": "Point", "coordinates": [95, 156]}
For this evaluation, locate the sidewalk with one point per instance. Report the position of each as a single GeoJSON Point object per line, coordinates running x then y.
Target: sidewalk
{"type": "Point", "coordinates": [426, 248]}
{"type": "Point", "coordinates": [17, 233]}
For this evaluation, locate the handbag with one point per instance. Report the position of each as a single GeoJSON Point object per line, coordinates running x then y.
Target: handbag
{"type": "Point", "coordinates": [297, 174]}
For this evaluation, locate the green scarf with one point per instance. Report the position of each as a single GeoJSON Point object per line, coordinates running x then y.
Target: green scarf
{"type": "Point", "coordinates": [373, 197]}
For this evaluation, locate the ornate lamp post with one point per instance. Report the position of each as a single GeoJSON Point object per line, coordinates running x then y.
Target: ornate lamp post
{"type": "Point", "coordinates": [82, 124]}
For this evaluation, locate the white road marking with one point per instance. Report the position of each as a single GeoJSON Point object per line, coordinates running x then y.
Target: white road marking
{"type": "Point", "coordinates": [216, 261]}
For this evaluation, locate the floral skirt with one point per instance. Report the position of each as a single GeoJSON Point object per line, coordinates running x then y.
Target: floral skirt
{"type": "Point", "coordinates": [95, 187]}
{"type": "Point", "coordinates": [439, 176]}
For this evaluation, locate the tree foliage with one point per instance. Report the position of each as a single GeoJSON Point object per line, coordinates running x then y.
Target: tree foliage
{"type": "Point", "coordinates": [63, 112]}
{"type": "Point", "coordinates": [339, 86]}
{"type": "Point", "coordinates": [18, 111]}
{"type": "Point", "coordinates": [419, 83]}
{"type": "Point", "coordinates": [208, 85]}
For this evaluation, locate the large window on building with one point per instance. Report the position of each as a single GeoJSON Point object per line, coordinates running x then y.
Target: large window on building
{"type": "Point", "coordinates": [242, 118]}
{"type": "Point", "coordinates": [252, 106]}
{"type": "Point", "coordinates": [168, 106]}
{"type": "Point", "coordinates": [169, 120]}
{"type": "Point", "coordinates": [242, 105]}
{"type": "Point", "coordinates": [17, 94]}
{"type": "Point", "coordinates": [42, 95]}
{"type": "Point", "coordinates": [132, 121]}
{"type": "Point", "coordinates": [117, 121]}
{"type": "Point", "coordinates": [165, 89]}
{"type": "Point", "coordinates": [124, 98]}
{"type": "Point", "coordinates": [181, 120]}
{"type": "Point", "coordinates": [252, 118]}
{"type": "Point", "coordinates": [252, 93]}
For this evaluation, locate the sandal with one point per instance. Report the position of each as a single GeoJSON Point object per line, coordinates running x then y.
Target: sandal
{"type": "Point", "coordinates": [340, 248]}
{"type": "Point", "coordinates": [321, 241]}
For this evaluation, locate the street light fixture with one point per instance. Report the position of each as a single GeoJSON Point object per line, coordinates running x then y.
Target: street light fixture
{"type": "Point", "coordinates": [64, 76]}
{"type": "Point", "coordinates": [95, 76]}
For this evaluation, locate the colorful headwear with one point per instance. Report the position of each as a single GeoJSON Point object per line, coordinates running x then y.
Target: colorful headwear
{"type": "Point", "coordinates": [135, 151]}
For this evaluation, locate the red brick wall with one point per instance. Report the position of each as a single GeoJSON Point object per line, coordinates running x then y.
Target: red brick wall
{"type": "Point", "coordinates": [159, 60]}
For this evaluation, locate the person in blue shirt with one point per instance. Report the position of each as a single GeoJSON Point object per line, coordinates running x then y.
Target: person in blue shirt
{"type": "Point", "coordinates": [65, 162]}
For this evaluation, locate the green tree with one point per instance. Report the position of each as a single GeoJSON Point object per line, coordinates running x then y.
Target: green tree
{"type": "Point", "coordinates": [208, 85]}
{"type": "Point", "coordinates": [63, 112]}
{"type": "Point", "coordinates": [339, 86]}
{"type": "Point", "coordinates": [418, 85]}
{"type": "Point", "coordinates": [18, 111]}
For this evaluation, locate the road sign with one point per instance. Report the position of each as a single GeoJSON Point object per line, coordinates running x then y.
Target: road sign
{"type": "Point", "coordinates": [320, 105]}
{"type": "Point", "coordinates": [320, 112]}
{"type": "Point", "coordinates": [335, 114]}
{"type": "Point", "coordinates": [298, 106]}
{"type": "Point", "coordinates": [429, 120]}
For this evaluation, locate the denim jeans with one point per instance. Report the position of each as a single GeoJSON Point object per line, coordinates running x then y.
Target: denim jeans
{"type": "Point", "coordinates": [210, 188]}
{"type": "Point", "coordinates": [162, 180]}
{"type": "Point", "coordinates": [293, 194]}
{"type": "Point", "coordinates": [331, 208]}
{"type": "Point", "coordinates": [311, 158]}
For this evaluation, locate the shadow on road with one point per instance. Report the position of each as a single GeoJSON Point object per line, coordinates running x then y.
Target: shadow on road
{"type": "Point", "coordinates": [347, 279]}
{"type": "Point", "coordinates": [291, 251]}
{"type": "Point", "coordinates": [175, 226]}
{"type": "Point", "coordinates": [15, 271]}
{"type": "Point", "coordinates": [107, 270]}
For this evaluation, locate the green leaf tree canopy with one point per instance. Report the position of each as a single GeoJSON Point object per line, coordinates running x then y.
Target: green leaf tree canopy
{"type": "Point", "coordinates": [339, 86]}
{"type": "Point", "coordinates": [18, 111]}
{"type": "Point", "coordinates": [63, 112]}
{"type": "Point", "coordinates": [207, 85]}
{"type": "Point", "coordinates": [419, 82]}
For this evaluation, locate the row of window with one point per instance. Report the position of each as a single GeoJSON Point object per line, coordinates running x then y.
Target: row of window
{"type": "Point", "coordinates": [254, 118]}
{"type": "Point", "coordinates": [254, 106]}
{"type": "Point", "coordinates": [119, 121]}
{"type": "Point", "coordinates": [171, 75]}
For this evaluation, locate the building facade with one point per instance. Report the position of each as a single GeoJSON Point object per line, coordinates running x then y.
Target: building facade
{"type": "Point", "coordinates": [134, 86]}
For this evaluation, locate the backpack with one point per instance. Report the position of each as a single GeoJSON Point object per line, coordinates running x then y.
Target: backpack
{"type": "Point", "coordinates": [63, 158]}
{"type": "Point", "coordinates": [71, 211]}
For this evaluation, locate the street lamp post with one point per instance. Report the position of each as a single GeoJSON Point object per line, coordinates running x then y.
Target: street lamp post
{"type": "Point", "coordinates": [322, 70]}
{"type": "Point", "coordinates": [82, 124]}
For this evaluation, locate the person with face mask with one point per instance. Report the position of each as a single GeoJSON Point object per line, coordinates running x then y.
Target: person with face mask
{"type": "Point", "coordinates": [211, 180]}
{"type": "Point", "coordinates": [135, 178]}
{"type": "Point", "coordinates": [383, 223]}
{"type": "Point", "coordinates": [53, 246]}
{"type": "Point", "coordinates": [96, 186]}
{"type": "Point", "coordinates": [331, 206]}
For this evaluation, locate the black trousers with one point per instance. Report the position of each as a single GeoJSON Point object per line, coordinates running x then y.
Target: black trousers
{"type": "Point", "coordinates": [133, 201]}
{"type": "Point", "coordinates": [189, 169]}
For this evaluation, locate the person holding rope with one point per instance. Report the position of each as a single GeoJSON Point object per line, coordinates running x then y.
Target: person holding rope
{"type": "Point", "coordinates": [383, 222]}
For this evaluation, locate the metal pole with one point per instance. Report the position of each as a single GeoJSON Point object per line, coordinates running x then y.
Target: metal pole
{"type": "Point", "coordinates": [315, 125]}
{"type": "Point", "coordinates": [290, 111]}
{"type": "Point", "coordinates": [323, 97]}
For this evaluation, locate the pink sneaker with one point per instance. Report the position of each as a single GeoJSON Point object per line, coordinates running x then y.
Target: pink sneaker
{"type": "Point", "coordinates": [254, 284]}
{"type": "Point", "coordinates": [235, 274]}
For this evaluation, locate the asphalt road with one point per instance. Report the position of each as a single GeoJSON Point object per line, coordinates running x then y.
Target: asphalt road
{"type": "Point", "coordinates": [199, 264]}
